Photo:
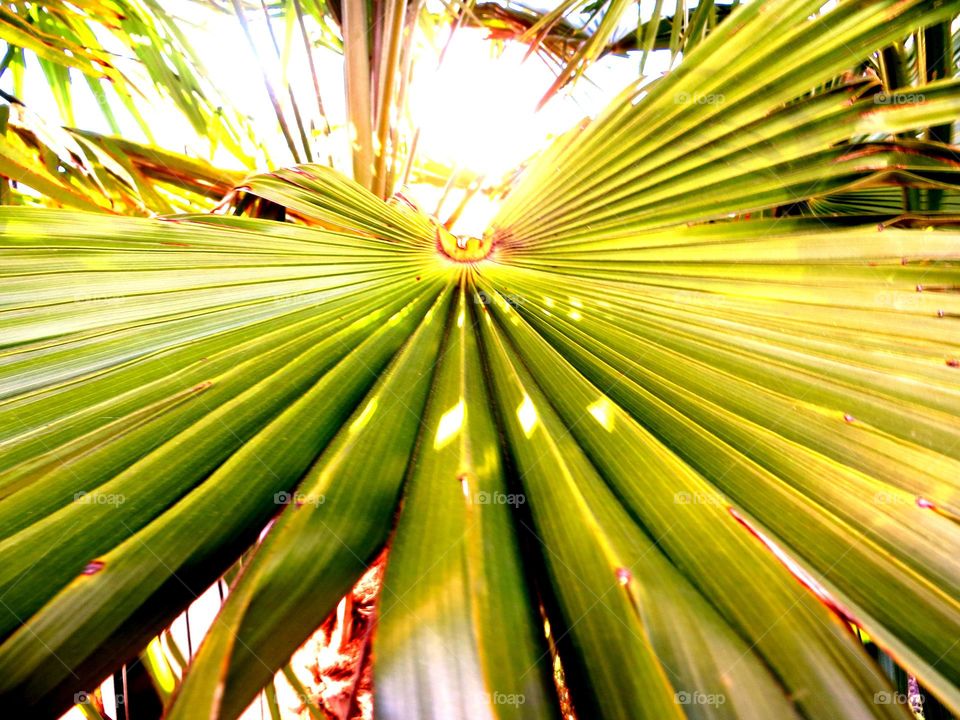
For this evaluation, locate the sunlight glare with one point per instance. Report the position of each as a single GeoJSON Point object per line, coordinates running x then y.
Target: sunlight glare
{"type": "Point", "coordinates": [478, 108]}
{"type": "Point", "coordinates": [364, 417]}
{"type": "Point", "coordinates": [527, 415]}
{"type": "Point", "coordinates": [603, 412]}
{"type": "Point", "coordinates": [450, 424]}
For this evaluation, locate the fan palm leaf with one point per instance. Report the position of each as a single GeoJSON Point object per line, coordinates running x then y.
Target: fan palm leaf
{"type": "Point", "coordinates": [673, 449]}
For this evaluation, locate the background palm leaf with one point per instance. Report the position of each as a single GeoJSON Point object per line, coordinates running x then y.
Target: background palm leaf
{"type": "Point", "coordinates": [64, 36]}
{"type": "Point", "coordinates": [89, 171]}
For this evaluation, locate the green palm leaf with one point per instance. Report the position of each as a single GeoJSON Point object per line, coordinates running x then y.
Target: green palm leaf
{"type": "Point", "coordinates": [674, 449]}
{"type": "Point", "coordinates": [89, 171]}
{"type": "Point", "coordinates": [85, 35]}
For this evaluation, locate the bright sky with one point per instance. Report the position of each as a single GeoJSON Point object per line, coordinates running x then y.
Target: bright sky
{"type": "Point", "coordinates": [476, 111]}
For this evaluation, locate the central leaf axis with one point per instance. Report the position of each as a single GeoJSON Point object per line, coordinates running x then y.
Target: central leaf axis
{"type": "Point", "coordinates": [463, 248]}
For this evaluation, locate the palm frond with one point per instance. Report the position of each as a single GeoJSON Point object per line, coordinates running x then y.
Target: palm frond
{"type": "Point", "coordinates": [64, 36]}
{"type": "Point", "coordinates": [649, 438]}
{"type": "Point", "coordinates": [89, 171]}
